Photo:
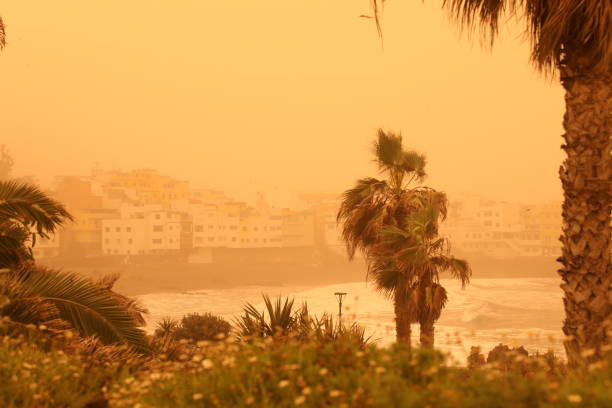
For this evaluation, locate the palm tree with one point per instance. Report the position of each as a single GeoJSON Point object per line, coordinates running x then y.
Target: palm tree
{"type": "Point", "coordinates": [374, 203]}
{"type": "Point", "coordinates": [417, 254]}
{"type": "Point", "coordinates": [25, 213]}
{"type": "Point", "coordinates": [572, 38]}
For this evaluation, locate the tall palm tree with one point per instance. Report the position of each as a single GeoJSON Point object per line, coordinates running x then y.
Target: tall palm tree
{"type": "Point", "coordinates": [374, 203]}
{"type": "Point", "coordinates": [572, 38]}
{"type": "Point", "coordinates": [417, 253]}
{"type": "Point", "coordinates": [25, 213]}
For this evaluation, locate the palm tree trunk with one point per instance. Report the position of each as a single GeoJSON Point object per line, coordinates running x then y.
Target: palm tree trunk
{"type": "Point", "coordinates": [427, 333]}
{"type": "Point", "coordinates": [586, 176]}
{"type": "Point", "coordinates": [402, 317]}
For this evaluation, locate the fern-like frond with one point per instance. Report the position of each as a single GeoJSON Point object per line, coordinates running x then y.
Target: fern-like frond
{"type": "Point", "coordinates": [90, 309]}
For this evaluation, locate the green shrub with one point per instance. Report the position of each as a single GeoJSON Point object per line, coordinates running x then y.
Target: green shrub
{"type": "Point", "coordinates": [195, 327]}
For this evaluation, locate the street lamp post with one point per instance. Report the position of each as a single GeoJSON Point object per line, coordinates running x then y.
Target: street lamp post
{"type": "Point", "coordinates": [340, 296]}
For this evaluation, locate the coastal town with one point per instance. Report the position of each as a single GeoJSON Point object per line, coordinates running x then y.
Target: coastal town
{"type": "Point", "coordinates": [139, 213]}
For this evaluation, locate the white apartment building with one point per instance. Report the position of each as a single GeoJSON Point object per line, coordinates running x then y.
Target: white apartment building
{"type": "Point", "coordinates": [142, 230]}
{"type": "Point", "coordinates": [261, 229]}
{"type": "Point", "coordinates": [232, 225]}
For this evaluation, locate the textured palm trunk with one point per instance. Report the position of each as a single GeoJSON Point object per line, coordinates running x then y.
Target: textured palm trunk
{"type": "Point", "coordinates": [586, 178]}
{"type": "Point", "coordinates": [427, 333]}
{"type": "Point", "coordinates": [402, 317]}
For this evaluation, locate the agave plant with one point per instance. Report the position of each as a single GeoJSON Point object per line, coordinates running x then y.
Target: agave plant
{"type": "Point", "coordinates": [37, 295]}
{"type": "Point", "coordinates": [324, 330]}
{"type": "Point", "coordinates": [282, 318]}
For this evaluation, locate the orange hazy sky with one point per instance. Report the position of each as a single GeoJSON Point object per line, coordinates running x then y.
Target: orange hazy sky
{"type": "Point", "coordinates": [275, 96]}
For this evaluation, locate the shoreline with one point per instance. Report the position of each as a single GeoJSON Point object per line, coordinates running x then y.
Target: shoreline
{"type": "Point", "coordinates": [175, 277]}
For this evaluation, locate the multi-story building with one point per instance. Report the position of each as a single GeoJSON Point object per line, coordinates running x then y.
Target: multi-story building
{"type": "Point", "coordinates": [261, 229]}
{"type": "Point", "coordinates": [149, 186]}
{"type": "Point", "coordinates": [145, 230]}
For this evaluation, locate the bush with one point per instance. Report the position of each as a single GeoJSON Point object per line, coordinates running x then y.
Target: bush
{"type": "Point", "coordinates": [196, 327]}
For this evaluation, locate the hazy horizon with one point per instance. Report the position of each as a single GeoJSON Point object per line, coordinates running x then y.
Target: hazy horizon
{"type": "Point", "coordinates": [275, 97]}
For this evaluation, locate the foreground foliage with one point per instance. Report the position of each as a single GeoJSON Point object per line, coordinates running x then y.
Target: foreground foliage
{"type": "Point", "coordinates": [268, 373]}
{"type": "Point", "coordinates": [64, 300]}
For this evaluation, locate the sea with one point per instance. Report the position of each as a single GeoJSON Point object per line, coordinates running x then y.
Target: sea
{"type": "Point", "coordinates": [487, 312]}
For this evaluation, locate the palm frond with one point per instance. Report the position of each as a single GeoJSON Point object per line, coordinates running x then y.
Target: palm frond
{"type": "Point", "coordinates": [557, 29]}
{"type": "Point", "coordinates": [414, 163]}
{"type": "Point", "coordinates": [12, 252]}
{"type": "Point", "coordinates": [87, 307]}
{"type": "Point", "coordinates": [133, 306]}
{"type": "Point", "coordinates": [388, 151]}
{"type": "Point", "coordinates": [30, 206]}
{"type": "Point", "coordinates": [2, 35]}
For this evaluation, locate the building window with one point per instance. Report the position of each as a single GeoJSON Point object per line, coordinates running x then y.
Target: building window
{"type": "Point", "coordinates": [157, 216]}
{"type": "Point", "coordinates": [199, 228]}
{"type": "Point", "coordinates": [118, 229]}
{"type": "Point", "coordinates": [106, 229]}
{"type": "Point", "coordinates": [130, 241]}
{"type": "Point", "coordinates": [171, 240]}
{"type": "Point", "coordinates": [158, 228]}
{"type": "Point", "coordinates": [211, 239]}
{"type": "Point", "coordinates": [157, 241]}
{"type": "Point", "coordinates": [118, 241]}
{"type": "Point", "coordinates": [211, 226]}
{"type": "Point", "coordinates": [128, 229]}
{"type": "Point", "coordinates": [233, 239]}
{"type": "Point", "coordinates": [244, 228]}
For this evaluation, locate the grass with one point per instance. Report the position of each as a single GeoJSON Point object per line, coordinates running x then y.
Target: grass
{"type": "Point", "coordinates": [285, 372]}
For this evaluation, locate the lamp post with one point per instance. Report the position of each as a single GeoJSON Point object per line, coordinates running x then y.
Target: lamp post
{"type": "Point", "coordinates": [340, 296]}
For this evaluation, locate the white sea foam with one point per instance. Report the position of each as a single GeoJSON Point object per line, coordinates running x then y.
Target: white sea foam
{"type": "Point", "coordinates": [487, 312]}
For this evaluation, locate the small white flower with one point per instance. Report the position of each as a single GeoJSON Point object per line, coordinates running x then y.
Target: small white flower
{"type": "Point", "coordinates": [207, 364]}
{"type": "Point", "coordinates": [299, 400]}
{"type": "Point", "coordinates": [283, 383]}
{"type": "Point", "coordinates": [198, 396]}
{"type": "Point", "coordinates": [574, 398]}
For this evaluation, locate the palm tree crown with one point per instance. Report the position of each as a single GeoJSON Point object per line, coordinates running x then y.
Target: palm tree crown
{"type": "Point", "coordinates": [558, 29]}
{"type": "Point", "coordinates": [373, 202]}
